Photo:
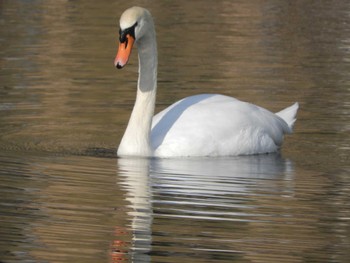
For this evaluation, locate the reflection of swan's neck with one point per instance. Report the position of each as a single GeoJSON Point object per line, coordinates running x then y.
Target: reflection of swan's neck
{"type": "Point", "coordinates": [136, 139]}
{"type": "Point", "coordinates": [135, 180]}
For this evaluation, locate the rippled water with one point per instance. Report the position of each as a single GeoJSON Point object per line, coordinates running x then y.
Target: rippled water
{"type": "Point", "coordinates": [64, 197]}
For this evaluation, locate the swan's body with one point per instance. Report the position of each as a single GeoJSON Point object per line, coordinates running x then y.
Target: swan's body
{"type": "Point", "coordinates": [201, 125]}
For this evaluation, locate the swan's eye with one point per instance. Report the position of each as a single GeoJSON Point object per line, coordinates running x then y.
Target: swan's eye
{"type": "Point", "coordinates": [128, 31]}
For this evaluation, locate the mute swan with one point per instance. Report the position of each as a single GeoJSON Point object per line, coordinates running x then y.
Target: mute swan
{"type": "Point", "coordinates": [201, 125]}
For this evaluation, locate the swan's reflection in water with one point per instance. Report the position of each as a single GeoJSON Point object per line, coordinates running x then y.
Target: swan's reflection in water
{"type": "Point", "coordinates": [168, 194]}
{"type": "Point", "coordinates": [135, 173]}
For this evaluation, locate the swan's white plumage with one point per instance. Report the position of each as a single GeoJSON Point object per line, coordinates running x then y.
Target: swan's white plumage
{"type": "Point", "coordinates": [201, 125]}
{"type": "Point", "coordinates": [216, 125]}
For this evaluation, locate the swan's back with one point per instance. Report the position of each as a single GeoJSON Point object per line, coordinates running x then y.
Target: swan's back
{"type": "Point", "coordinates": [217, 125]}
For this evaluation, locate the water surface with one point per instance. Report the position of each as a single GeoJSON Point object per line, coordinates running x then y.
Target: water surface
{"type": "Point", "coordinates": [65, 197]}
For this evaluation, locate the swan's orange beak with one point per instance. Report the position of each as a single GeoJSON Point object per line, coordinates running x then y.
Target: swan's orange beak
{"type": "Point", "coordinates": [124, 51]}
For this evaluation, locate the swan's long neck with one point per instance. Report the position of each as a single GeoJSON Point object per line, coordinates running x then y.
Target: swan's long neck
{"type": "Point", "coordinates": [136, 139]}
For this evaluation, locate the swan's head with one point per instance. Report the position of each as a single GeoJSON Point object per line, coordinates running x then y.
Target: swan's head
{"type": "Point", "coordinates": [134, 24]}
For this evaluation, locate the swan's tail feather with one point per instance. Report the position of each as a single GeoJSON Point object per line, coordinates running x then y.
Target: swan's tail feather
{"type": "Point", "coordinates": [289, 114]}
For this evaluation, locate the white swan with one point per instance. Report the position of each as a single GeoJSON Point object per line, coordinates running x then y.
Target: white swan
{"type": "Point", "coordinates": [201, 125]}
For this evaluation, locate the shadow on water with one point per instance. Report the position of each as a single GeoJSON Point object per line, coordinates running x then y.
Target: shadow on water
{"type": "Point", "coordinates": [202, 192]}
